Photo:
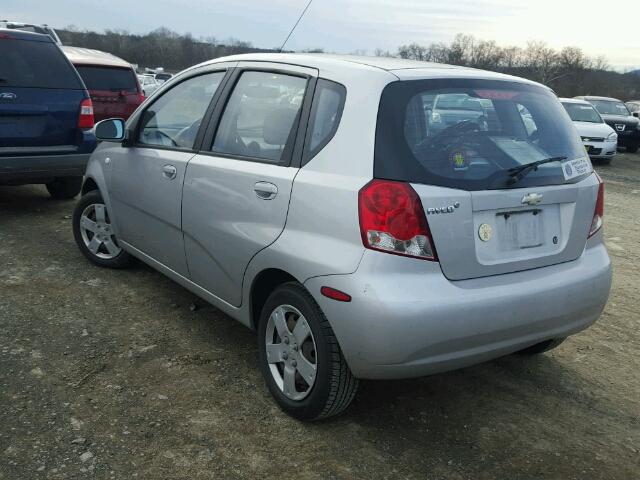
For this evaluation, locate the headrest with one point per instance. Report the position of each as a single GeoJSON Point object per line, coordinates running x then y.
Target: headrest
{"type": "Point", "coordinates": [277, 125]}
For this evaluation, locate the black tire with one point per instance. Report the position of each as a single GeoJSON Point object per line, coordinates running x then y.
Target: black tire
{"type": "Point", "coordinates": [335, 386]}
{"type": "Point", "coordinates": [122, 260]}
{"type": "Point", "coordinates": [632, 148]}
{"type": "Point", "coordinates": [542, 347]}
{"type": "Point", "coordinates": [64, 188]}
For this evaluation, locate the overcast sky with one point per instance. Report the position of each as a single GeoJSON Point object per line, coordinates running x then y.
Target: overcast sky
{"type": "Point", "coordinates": [598, 27]}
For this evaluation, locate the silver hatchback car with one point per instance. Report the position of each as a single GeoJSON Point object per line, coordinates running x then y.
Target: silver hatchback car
{"type": "Point", "coordinates": [324, 202]}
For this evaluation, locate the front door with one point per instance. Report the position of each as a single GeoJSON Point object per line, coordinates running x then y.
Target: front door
{"type": "Point", "coordinates": [237, 189]}
{"type": "Point", "coordinates": [148, 177]}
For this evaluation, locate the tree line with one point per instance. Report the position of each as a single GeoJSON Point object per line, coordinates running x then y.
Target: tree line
{"type": "Point", "coordinates": [569, 71]}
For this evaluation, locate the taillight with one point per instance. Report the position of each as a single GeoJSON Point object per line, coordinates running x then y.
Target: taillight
{"type": "Point", "coordinates": [596, 223]}
{"type": "Point", "coordinates": [85, 119]}
{"type": "Point", "coordinates": [392, 220]}
{"type": "Point", "coordinates": [140, 98]}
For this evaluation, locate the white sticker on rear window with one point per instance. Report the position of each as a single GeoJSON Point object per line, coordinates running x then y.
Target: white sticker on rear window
{"type": "Point", "coordinates": [576, 168]}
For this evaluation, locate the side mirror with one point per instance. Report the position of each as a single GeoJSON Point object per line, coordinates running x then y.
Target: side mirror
{"type": "Point", "coordinates": [636, 114]}
{"type": "Point", "coordinates": [110, 130]}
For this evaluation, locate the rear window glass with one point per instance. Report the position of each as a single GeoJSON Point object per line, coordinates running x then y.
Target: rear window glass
{"type": "Point", "coordinates": [610, 107]}
{"type": "Point", "coordinates": [108, 78]}
{"type": "Point", "coordinates": [35, 64]}
{"type": "Point", "coordinates": [467, 134]}
{"type": "Point", "coordinates": [579, 112]}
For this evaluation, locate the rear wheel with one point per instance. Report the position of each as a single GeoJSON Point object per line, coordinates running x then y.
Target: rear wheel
{"type": "Point", "coordinates": [300, 358]}
{"type": "Point", "coordinates": [64, 188]}
{"type": "Point", "coordinates": [542, 346]}
{"type": "Point", "coordinates": [94, 235]}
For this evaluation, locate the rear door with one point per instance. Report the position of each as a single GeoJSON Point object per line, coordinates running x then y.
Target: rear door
{"type": "Point", "coordinates": [237, 189]}
{"type": "Point", "coordinates": [40, 97]}
{"type": "Point", "coordinates": [148, 176]}
{"type": "Point", "coordinates": [114, 91]}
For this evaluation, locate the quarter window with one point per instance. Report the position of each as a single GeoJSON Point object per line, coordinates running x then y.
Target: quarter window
{"type": "Point", "coordinates": [174, 119]}
{"type": "Point", "coordinates": [326, 111]}
{"type": "Point", "coordinates": [260, 117]}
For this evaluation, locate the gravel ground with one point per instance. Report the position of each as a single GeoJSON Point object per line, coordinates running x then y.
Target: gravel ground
{"type": "Point", "coordinates": [111, 374]}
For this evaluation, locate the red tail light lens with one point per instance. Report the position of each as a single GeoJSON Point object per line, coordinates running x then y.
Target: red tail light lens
{"type": "Point", "coordinates": [392, 220]}
{"type": "Point", "coordinates": [85, 120]}
{"type": "Point", "coordinates": [596, 223]}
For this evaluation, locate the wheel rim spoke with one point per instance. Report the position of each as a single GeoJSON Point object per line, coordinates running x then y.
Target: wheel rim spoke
{"type": "Point", "coordinates": [94, 244]}
{"type": "Point", "coordinates": [112, 248]}
{"type": "Point", "coordinates": [289, 378]}
{"type": "Point", "coordinates": [100, 214]}
{"type": "Point", "coordinates": [280, 322]}
{"type": "Point", "coordinates": [88, 224]}
{"type": "Point", "coordinates": [301, 331]}
{"type": "Point", "coordinates": [275, 351]}
{"type": "Point", "coordinates": [306, 369]}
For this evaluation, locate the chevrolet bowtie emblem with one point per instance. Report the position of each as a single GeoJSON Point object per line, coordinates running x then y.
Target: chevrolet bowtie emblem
{"type": "Point", "coordinates": [531, 199]}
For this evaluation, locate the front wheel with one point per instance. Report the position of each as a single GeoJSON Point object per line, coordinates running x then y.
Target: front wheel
{"type": "Point", "coordinates": [64, 188]}
{"type": "Point", "coordinates": [300, 358]}
{"type": "Point", "coordinates": [94, 235]}
{"type": "Point", "coordinates": [632, 148]}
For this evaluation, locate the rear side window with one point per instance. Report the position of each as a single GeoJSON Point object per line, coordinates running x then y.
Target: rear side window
{"type": "Point", "coordinates": [173, 120]}
{"type": "Point", "coordinates": [108, 78]}
{"type": "Point", "coordinates": [467, 134]}
{"type": "Point", "coordinates": [260, 117]}
{"type": "Point", "coordinates": [326, 112]}
{"type": "Point", "coordinates": [36, 65]}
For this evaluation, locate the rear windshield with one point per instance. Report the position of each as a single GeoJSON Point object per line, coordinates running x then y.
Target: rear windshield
{"type": "Point", "coordinates": [108, 78]}
{"type": "Point", "coordinates": [467, 134]}
{"type": "Point", "coordinates": [33, 64]}
{"type": "Point", "coordinates": [579, 112]}
{"type": "Point", "coordinates": [610, 107]}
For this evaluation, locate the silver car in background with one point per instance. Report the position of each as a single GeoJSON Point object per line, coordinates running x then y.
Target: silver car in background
{"type": "Point", "coordinates": [320, 201]}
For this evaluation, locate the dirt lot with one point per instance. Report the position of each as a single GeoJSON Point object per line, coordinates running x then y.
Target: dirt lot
{"type": "Point", "coordinates": [110, 374]}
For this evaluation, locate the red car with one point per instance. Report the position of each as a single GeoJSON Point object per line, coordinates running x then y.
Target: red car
{"type": "Point", "coordinates": [111, 81]}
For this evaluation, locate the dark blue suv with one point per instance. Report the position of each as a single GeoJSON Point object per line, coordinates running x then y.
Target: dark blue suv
{"type": "Point", "coordinates": [46, 115]}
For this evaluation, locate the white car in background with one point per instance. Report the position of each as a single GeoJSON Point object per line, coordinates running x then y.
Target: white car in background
{"type": "Point", "coordinates": [149, 84]}
{"type": "Point", "coordinates": [600, 140]}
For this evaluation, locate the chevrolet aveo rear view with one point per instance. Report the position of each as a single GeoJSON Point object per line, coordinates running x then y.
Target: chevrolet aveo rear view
{"type": "Point", "coordinates": [370, 218]}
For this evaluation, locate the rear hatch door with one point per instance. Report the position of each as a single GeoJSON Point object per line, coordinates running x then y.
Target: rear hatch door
{"type": "Point", "coordinates": [497, 231]}
{"type": "Point", "coordinates": [40, 96]}
{"type": "Point", "coordinates": [114, 91]}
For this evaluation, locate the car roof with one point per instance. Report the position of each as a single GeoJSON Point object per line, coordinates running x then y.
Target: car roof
{"type": "Point", "coordinates": [574, 100]}
{"type": "Point", "coordinates": [87, 56]}
{"type": "Point", "coordinates": [591, 97]}
{"type": "Point", "coordinates": [402, 69]}
{"type": "Point", "coordinates": [24, 35]}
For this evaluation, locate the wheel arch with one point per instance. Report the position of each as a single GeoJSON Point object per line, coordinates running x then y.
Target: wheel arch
{"type": "Point", "coordinates": [89, 185]}
{"type": "Point", "coordinates": [263, 284]}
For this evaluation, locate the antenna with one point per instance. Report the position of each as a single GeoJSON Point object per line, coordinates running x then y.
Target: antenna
{"type": "Point", "coordinates": [296, 24]}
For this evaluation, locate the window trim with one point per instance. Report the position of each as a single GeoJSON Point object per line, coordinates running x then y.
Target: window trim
{"type": "Point", "coordinates": [135, 130]}
{"type": "Point", "coordinates": [294, 153]}
{"type": "Point", "coordinates": [337, 87]}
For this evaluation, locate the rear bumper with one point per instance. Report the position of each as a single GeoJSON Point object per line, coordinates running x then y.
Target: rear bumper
{"type": "Point", "coordinates": [28, 169]}
{"type": "Point", "coordinates": [407, 320]}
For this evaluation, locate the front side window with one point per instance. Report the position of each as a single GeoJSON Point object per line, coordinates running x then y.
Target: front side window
{"type": "Point", "coordinates": [580, 112]}
{"type": "Point", "coordinates": [174, 119]}
{"type": "Point", "coordinates": [468, 134]}
{"type": "Point", "coordinates": [260, 116]}
{"type": "Point", "coordinates": [610, 107]}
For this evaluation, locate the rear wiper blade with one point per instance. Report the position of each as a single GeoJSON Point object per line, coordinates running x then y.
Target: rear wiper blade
{"type": "Point", "coordinates": [518, 173]}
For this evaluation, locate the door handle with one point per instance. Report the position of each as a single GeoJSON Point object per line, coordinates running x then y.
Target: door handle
{"type": "Point", "coordinates": [265, 190]}
{"type": "Point", "coordinates": [169, 171]}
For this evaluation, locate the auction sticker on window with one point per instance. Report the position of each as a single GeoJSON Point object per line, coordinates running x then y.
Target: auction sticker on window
{"type": "Point", "coordinates": [575, 168]}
